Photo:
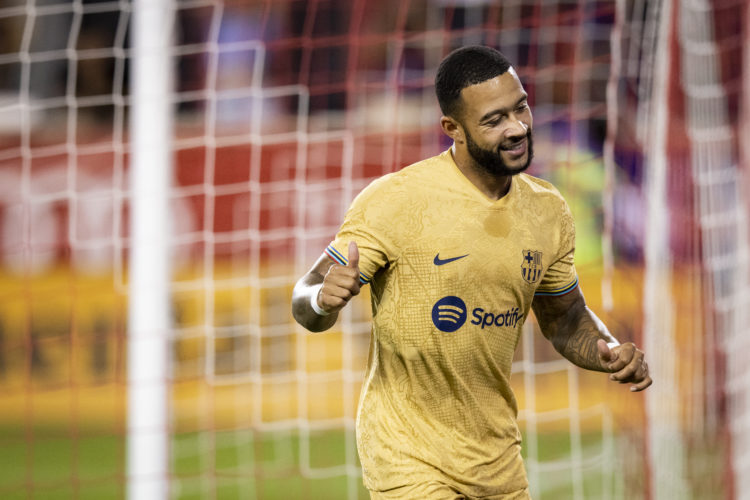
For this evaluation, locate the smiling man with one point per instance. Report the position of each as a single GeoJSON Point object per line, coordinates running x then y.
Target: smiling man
{"type": "Point", "coordinates": [457, 249]}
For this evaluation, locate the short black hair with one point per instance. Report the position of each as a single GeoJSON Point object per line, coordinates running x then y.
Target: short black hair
{"type": "Point", "coordinates": [463, 67]}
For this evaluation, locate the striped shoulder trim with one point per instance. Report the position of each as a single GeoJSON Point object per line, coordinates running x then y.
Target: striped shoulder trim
{"type": "Point", "coordinates": [559, 291]}
{"type": "Point", "coordinates": [336, 255]}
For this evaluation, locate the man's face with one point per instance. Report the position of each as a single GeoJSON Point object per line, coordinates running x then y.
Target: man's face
{"type": "Point", "coordinates": [492, 160]}
{"type": "Point", "coordinates": [497, 125]}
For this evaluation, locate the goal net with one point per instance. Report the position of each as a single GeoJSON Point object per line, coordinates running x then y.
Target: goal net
{"type": "Point", "coordinates": [276, 114]}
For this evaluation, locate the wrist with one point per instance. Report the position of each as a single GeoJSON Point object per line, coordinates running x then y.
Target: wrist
{"type": "Point", "coordinates": [315, 291]}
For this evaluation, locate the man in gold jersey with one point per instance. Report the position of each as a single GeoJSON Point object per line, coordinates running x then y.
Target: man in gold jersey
{"type": "Point", "coordinates": [456, 249]}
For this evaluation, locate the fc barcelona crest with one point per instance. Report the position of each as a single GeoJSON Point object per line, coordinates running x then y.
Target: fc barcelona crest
{"type": "Point", "coordinates": [531, 268]}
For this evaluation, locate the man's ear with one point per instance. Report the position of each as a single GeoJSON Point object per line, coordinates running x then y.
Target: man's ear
{"type": "Point", "coordinates": [452, 129]}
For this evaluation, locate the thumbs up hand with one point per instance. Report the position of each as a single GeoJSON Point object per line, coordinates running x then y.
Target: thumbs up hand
{"type": "Point", "coordinates": [341, 283]}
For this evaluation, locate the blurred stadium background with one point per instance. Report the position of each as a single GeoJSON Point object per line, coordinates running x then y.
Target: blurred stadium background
{"type": "Point", "coordinates": [276, 113]}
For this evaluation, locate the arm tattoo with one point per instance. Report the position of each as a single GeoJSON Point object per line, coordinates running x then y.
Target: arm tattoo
{"type": "Point", "coordinates": [580, 346]}
{"type": "Point", "coordinates": [572, 328]}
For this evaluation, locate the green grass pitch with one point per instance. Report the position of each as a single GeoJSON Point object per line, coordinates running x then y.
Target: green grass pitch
{"type": "Point", "coordinates": [51, 464]}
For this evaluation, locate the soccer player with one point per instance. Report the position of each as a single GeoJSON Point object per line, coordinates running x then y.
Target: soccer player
{"type": "Point", "coordinates": [456, 249]}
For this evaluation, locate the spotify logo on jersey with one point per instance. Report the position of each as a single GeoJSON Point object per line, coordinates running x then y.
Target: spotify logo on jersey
{"type": "Point", "coordinates": [449, 314]}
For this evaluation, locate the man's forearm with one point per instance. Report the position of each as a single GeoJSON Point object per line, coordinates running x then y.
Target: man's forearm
{"type": "Point", "coordinates": [579, 347]}
{"type": "Point", "coordinates": [573, 329]}
{"type": "Point", "coordinates": [577, 334]}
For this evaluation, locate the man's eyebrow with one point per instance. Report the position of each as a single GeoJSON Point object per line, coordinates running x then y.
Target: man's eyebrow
{"type": "Point", "coordinates": [494, 112]}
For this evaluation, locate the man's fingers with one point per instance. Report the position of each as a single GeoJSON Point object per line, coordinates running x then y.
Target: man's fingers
{"type": "Point", "coordinates": [353, 256]}
{"type": "Point", "coordinates": [340, 284]}
{"type": "Point", "coordinates": [627, 374]}
{"type": "Point", "coordinates": [632, 361]}
{"type": "Point", "coordinates": [627, 364]}
{"type": "Point", "coordinates": [340, 291]}
{"type": "Point", "coordinates": [343, 277]}
{"type": "Point", "coordinates": [642, 384]}
{"type": "Point", "coordinates": [634, 372]}
{"type": "Point", "coordinates": [331, 302]}
{"type": "Point", "coordinates": [622, 355]}
{"type": "Point", "coordinates": [643, 379]}
{"type": "Point", "coordinates": [332, 298]}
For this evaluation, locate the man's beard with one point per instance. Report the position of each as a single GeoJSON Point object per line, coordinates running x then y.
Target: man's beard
{"type": "Point", "coordinates": [492, 161]}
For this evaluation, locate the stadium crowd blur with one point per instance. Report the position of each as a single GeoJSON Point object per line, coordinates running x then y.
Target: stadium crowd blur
{"type": "Point", "coordinates": [48, 29]}
{"type": "Point", "coordinates": [64, 59]}
{"type": "Point", "coordinates": [306, 43]}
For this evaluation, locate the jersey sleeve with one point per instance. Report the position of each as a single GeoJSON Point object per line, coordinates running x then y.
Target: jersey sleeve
{"type": "Point", "coordinates": [368, 222]}
{"type": "Point", "coordinates": [561, 276]}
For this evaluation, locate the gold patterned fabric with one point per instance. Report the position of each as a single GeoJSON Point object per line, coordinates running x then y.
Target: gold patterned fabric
{"type": "Point", "coordinates": [453, 274]}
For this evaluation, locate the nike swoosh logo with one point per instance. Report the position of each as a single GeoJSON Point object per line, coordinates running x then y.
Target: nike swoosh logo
{"type": "Point", "coordinates": [439, 262]}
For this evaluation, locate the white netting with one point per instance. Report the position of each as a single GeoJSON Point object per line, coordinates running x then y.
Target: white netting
{"type": "Point", "coordinates": [283, 111]}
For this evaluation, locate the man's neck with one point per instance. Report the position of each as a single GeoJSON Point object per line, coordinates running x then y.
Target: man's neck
{"type": "Point", "coordinates": [492, 186]}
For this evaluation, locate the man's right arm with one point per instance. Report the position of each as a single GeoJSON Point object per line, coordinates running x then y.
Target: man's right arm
{"type": "Point", "coordinates": [331, 286]}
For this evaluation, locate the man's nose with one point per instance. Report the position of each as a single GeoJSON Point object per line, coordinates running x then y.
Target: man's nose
{"type": "Point", "coordinates": [516, 127]}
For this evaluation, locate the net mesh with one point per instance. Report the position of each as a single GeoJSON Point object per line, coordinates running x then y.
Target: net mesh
{"type": "Point", "coordinates": [283, 111]}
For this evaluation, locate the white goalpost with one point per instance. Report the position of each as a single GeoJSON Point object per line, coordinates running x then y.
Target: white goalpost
{"type": "Point", "coordinates": [700, 374]}
{"type": "Point", "coordinates": [665, 441]}
{"type": "Point", "coordinates": [149, 269]}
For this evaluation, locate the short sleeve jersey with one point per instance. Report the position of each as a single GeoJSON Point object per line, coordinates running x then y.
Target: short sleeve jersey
{"type": "Point", "coordinates": [452, 277]}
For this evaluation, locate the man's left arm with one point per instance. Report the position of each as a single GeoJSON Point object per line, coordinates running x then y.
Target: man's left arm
{"type": "Point", "coordinates": [581, 337]}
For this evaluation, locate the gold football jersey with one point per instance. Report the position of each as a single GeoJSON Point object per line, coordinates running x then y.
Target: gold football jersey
{"type": "Point", "coordinates": [452, 276]}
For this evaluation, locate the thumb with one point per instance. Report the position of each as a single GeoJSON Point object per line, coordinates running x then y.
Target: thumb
{"type": "Point", "coordinates": [605, 353]}
{"type": "Point", "coordinates": [353, 255]}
